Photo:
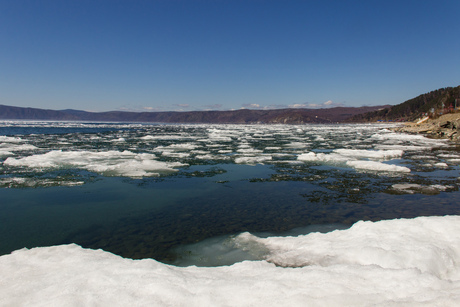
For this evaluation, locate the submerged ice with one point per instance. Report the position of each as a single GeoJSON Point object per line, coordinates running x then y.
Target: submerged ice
{"type": "Point", "coordinates": [406, 262]}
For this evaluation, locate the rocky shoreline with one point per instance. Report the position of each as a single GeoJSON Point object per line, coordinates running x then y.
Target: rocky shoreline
{"type": "Point", "coordinates": [446, 126]}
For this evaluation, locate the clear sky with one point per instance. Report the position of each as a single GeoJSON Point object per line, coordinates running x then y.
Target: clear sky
{"type": "Point", "coordinates": [162, 55]}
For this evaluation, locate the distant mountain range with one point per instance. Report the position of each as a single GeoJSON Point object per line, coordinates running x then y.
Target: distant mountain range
{"type": "Point", "coordinates": [243, 116]}
{"type": "Point", "coordinates": [439, 101]}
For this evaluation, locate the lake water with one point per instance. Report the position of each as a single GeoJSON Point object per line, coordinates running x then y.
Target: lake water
{"type": "Point", "coordinates": [181, 193]}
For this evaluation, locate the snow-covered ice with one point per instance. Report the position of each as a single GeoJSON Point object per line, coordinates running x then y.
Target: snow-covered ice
{"type": "Point", "coordinates": [358, 159]}
{"type": "Point", "coordinates": [407, 262]}
{"type": "Point", "coordinates": [110, 163]}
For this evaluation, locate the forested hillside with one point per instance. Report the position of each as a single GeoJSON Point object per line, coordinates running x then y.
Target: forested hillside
{"type": "Point", "coordinates": [440, 101]}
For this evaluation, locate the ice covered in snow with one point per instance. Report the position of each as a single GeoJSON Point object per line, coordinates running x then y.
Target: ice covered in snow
{"type": "Point", "coordinates": [377, 166]}
{"type": "Point", "coordinates": [363, 147]}
{"type": "Point", "coordinates": [406, 142]}
{"type": "Point", "coordinates": [10, 139]}
{"type": "Point", "coordinates": [297, 145]}
{"type": "Point", "coordinates": [441, 165]}
{"type": "Point", "coordinates": [369, 154]}
{"type": "Point", "coordinates": [109, 163]}
{"type": "Point", "coordinates": [247, 150]}
{"type": "Point", "coordinates": [11, 145]}
{"type": "Point", "coordinates": [406, 262]}
{"type": "Point", "coordinates": [165, 137]}
{"type": "Point", "coordinates": [253, 159]}
{"type": "Point", "coordinates": [320, 157]}
{"type": "Point", "coordinates": [358, 159]}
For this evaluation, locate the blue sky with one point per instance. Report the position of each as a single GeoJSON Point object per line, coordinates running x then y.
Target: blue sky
{"type": "Point", "coordinates": [221, 54]}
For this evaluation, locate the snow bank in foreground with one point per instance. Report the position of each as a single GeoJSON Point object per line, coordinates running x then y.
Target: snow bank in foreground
{"type": "Point", "coordinates": [109, 163]}
{"type": "Point", "coordinates": [387, 263]}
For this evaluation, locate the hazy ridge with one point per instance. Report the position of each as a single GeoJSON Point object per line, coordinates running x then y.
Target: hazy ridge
{"type": "Point", "coordinates": [243, 116]}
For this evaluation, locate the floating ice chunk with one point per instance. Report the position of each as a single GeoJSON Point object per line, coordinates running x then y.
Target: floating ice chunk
{"type": "Point", "coordinates": [211, 157]}
{"type": "Point", "coordinates": [414, 140]}
{"type": "Point", "coordinates": [322, 157]}
{"type": "Point", "coordinates": [404, 148]}
{"type": "Point", "coordinates": [119, 140]}
{"type": "Point", "coordinates": [179, 147]}
{"type": "Point", "coordinates": [441, 165]}
{"type": "Point", "coordinates": [5, 153]}
{"type": "Point", "coordinates": [420, 157]}
{"type": "Point", "coordinates": [342, 156]}
{"type": "Point", "coordinates": [9, 139]}
{"type": "Point", "coordinates": [18, 182]}
{"type": "Point", "coordinates": [309, 156]}
{"type": "Point", "coordinates": [249, 150]}
{"type": "Point", "coordinates": [387, 263]}
{"type": "Point", "coordinates": [199, 152]}
{"type": "Point", "coordinates": [148, 138]}
{"type": "Point", "coordinates": [165, 137]}
{"type": "Point", "coordinates": [296, 145]}
{"type": "Point", "coordinates": [218, 138]}
{"type": "Point", "coordinates": [377, 166]}
{"type": "Point", "coordinates": [172, 154]}
{"type": "Point", "coordinates": [370, 154]}
{"type": "Point", "coordinates": [409, 188]}
{"type": "Point", "coordinates": [109, 163]}
{"type": "Point", "coordinates": [244, 145]}
{"type": "Point", "coordinates": [14, 147]}
{"type": "Point", "coordinates": [252, 160]}
{"type": "Point", "coordinates": [273, 148]}
{"type": "Point", "coordinates": [440, 187]}
{"type": "Point", "coordinates": [412, 188]}
{"type": "Point", "coordinates": [215, 145]}
{"type": "Point", "coordinates": [448, 156]}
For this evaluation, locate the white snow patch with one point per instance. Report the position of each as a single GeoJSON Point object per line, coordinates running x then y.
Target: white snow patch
{"type": "Point", "coordinates": [388, 263]}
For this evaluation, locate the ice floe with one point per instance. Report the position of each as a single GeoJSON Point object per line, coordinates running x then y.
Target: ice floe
{"type": "Point", "coordinates": [357, 159]}
{"type": "Point", "coordinates": [362, 147]}
{"type": "Point", "coordinates": [109, 163]}
{"type": "Point", "coordinates": [377, 166]}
